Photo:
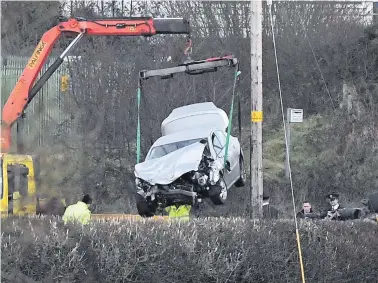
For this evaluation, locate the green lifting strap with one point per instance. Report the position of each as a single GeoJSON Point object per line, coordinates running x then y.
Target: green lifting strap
{"type": "Point", "coordinates": [138, 125]}
{"type": "Point", "coordinates": [237, 73]}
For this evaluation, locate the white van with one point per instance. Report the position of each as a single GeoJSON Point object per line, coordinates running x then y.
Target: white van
{"type": "Point", "coordinates": [186, 164]}
{"type": "Point", "coordinates": [195, 116]}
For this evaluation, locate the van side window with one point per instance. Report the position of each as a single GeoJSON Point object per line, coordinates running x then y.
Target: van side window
{"type": "Point", "coordinates": [217, 145]}
{"type": "Point", "coordinates": [222, 137]}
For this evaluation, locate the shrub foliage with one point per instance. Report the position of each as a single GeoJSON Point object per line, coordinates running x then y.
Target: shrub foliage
{"type": "Point", "coordinates": [203, 250]}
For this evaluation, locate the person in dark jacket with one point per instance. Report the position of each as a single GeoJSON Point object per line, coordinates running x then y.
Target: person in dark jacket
{"type": "Point", "coordinates": [330, 212]}
{"type": "Point", "coordinates": [306, 211]}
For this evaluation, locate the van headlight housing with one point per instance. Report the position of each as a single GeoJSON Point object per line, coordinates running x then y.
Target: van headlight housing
{"type": "Point", "coordinates": [138, 183]}
{"type": "Point", "coordinates": [142, 185]}
{"type": "Point", "coordinates": [215, 169]}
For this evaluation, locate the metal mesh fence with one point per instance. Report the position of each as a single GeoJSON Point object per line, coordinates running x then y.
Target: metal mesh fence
{"type": "Point", "coordinates": [47, 115]}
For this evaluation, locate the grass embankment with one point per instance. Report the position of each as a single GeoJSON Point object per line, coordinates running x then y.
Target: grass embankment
{"type": "Point", "coordinates": [207, 250]}
{"type": "Point", "coordinates": [305, 150]}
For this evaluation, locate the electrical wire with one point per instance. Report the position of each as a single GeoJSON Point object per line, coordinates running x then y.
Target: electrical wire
{"type": "Point", "coordinates": [286, 145]}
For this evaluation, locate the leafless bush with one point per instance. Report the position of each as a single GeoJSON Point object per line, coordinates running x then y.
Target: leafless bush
{"type": "Point", "coordinates": [208, 250]}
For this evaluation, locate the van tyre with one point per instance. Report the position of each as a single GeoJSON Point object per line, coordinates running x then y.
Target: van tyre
{"type": "Point", "coordinates": [142, 206]}
{"type": "Point", "coordinates": [243, 176]}
{"type": "Point", "coordinates": [221, 196]}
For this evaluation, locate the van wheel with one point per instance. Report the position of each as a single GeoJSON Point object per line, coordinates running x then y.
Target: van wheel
{"type": "Point", "coordinates": [142, 206]}
{"type": "Point", "coordinates": [221, 196]}
{"type": "Point", "coordinates": [243, 176]}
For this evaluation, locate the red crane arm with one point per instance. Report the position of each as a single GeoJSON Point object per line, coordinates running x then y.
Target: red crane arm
{"type": "Point", "coordinates": [23, 92]}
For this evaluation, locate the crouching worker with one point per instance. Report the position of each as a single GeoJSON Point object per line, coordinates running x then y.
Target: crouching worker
{"type": "Point", "coordinates": [179, 212]}
{"type": "Point", "coordinates": [79, 211]}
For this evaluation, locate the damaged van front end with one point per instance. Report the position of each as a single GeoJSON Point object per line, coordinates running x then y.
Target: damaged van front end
{"type": "Point", "coordinates": [184, 176]}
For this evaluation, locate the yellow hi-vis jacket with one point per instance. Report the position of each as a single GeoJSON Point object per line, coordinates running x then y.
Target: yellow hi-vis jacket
{"type": "Point", "coordinates": [180, 213]}
{"type": "Point", "coordinates": [77, 212]}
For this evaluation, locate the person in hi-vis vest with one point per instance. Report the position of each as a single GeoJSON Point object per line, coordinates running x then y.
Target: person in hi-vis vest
{"type": "Point", "coordinates": [180, 212]}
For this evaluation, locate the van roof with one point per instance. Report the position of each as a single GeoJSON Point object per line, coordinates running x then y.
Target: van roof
{"type": "Point", "coordinates": [193, 116]}
{"type": "Point", "coordinates": [192, 108]}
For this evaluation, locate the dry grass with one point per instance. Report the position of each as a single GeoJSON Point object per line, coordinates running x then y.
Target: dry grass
{"type": "Point", "coordinates": [203, 250]}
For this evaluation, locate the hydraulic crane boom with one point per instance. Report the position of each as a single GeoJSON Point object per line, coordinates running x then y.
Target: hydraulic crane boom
{"type": "Point", "coordinates": [25, 89]}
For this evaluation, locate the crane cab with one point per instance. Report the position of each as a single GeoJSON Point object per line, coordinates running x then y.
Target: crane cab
{"type": "Point", "coordinates": [18, 185]}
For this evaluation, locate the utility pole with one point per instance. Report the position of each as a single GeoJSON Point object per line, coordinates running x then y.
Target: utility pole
{"type": "Point", "coordinates": [375, 12]}
{"type": "Point", "coordinates": [256, 109]}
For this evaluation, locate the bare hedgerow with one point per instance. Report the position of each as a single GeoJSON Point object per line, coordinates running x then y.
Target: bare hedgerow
{"type": "Point", "coordinates": [203, 250]}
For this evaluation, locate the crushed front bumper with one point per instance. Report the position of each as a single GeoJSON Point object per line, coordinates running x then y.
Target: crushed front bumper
{"type": "Point", "coordinates": [170, 194]}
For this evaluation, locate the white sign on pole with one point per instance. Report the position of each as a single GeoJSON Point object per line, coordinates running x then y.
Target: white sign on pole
{"type": "Point", "coordinates": [295, 115]}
